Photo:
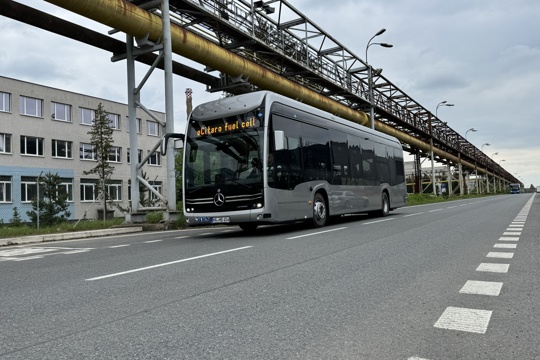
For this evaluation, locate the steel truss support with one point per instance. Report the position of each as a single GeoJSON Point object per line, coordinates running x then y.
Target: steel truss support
{"type": "Point", "coordinates": [137, 212]}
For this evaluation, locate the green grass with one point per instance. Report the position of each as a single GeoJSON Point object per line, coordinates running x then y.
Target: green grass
{"type": "Point", "coordinates": [420, 199]}
{"type": "Point", "coordinates": [7, 231]}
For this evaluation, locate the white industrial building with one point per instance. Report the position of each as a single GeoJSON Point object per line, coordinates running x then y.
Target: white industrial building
{"type": "Point", "coordinates": [43, 129]}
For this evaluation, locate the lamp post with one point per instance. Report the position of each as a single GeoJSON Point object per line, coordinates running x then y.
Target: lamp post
{"type": "Point", "coordinates": [487, 176]}
{"type": "Point", "coordinates": [494, 177]}
{"type": "Point", "coordinates": [370, 76]}
{"type": "Point", "coordinates": [500, 180]}
{"type": "Point", "coordinates": [37, 199]}
{"type": "Point", "coordinates": [442, 103]}
{"type": "Point", "coordinates": [433, 180]}
{"type": "Point", "coordinates": [468, 175]}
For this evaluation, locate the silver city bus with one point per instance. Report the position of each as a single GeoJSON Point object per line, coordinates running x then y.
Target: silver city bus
{"type": "Point", "coordinates": [262, 158]}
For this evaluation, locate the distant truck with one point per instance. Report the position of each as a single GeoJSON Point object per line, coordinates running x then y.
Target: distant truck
{"type": "Point", "coordinates": [515, 188]}
{"type": "Point", "coordinates": [538, 189]}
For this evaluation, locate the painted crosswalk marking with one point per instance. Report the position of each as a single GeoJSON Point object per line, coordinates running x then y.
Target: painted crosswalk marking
{"type": "Point", "coordinates": [482, 288]}
{"type": "Point", "coordinates": [496, 268]}
{"type": "Point", "coordinates": [463, 319]}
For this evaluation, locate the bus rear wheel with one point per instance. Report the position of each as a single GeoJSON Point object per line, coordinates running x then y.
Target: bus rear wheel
{"type": "Point", "coordinates": [320, 210]}
{"type": "Point", "coordinates": [385, 205]}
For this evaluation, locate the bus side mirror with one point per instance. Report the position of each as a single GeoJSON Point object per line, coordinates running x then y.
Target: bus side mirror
{"type": "Point", "coordinates": [165, 140]}
{"type": "Point", "coordinates": [279, 140]}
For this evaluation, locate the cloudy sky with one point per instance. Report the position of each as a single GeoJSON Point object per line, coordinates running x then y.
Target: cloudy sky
{"type": "Point", "coordinates": [482, 56]}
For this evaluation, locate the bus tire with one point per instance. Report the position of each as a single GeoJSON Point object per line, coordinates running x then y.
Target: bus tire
{"type": "Point", "coordinates": [248, 226]}
{"type": "Point", "coordinates": [320, 210]}
{"type": "Point", "coordinates": [385, 205]}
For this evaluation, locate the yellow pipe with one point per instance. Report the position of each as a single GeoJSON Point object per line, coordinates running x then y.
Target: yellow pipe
{"type": "Point", "coordinates": [132, 20]}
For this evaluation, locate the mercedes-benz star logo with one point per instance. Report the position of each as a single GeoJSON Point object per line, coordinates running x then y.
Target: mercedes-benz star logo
{"type": "Point", "coordinates": [219, 199]}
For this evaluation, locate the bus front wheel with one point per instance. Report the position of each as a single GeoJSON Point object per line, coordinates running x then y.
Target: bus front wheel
{"type": "Point", "coordinates": [320, 210]}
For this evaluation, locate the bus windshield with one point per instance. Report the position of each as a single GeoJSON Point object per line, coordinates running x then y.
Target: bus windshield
{"type": "Point", "coordinates": [224, 151]}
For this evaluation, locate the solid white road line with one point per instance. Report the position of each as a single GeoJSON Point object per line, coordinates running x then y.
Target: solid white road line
{"type": "Point", "coordinates": [166, 264]}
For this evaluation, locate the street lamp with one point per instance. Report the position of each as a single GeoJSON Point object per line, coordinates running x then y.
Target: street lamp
{"type": "Point", "coordinates": [500, 161]}
{"type": "Point", "coordinates": [370, 76]}
{"type": "Point", "coordinates": [497, 153]}
{"type": "Point", "coordinates": [442, 103]}
{"type": "Point", "coordinates": [471, 129]}
{"type": "Point", "coordinates": [486, 144]}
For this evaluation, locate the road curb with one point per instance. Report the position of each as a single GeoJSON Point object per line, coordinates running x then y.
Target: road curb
{"type": "Point", "coordinates": [68, 236]}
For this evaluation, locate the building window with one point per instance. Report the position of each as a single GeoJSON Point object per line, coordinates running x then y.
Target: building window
{"type": "Point", "coordinates": [5, 102]}
{"type": "Point", "coordinates": [5, 143]}
{"type": "Point", "coordinates": [138, 123]}
{"type": "Point", "coordinates": [87, 152]}
{"type": "Point", "coordinates": [155, 159]}
{"type": "Point", "coordinates": [153, 128]}
{"type": "Point", "coordinates": [88, 190]}
{"type": "Point", "coordinates": [31, 145]}
{"type": "Point", "coordinates": [87, 116]}
{"type": "Point", "coordinates": [114, 190]}
{"type": "Point", "coordinates": [139, 153]}
{"type": "Point", "coordinates": [66, 188]}
{"type": "Point", "coordinates": [115, 153]}
{"type": "Point", "coordinates": [157, 185]}
{"type": "Point", "coordinates": [114, 121]}
{"type": "Point", "coordinates": [62, 149]}
{"type": "Point", "coordinates": [28, 189]}
{"type": "Point", "coordinates": [60, 112]}
{"type": "Point", "coordinates": [31, 106]}
{"type": "Point", "coordinates": [5, 189]}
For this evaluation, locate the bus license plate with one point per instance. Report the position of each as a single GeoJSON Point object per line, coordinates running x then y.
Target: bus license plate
{"type": "Point", "coordinates": [220, 220]}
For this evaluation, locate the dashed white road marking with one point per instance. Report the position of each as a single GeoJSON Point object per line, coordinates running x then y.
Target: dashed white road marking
{"type": "Point", "coordinates": [151, 241]}
{"type": "Point", "coordinates": [497, 268]}
{"type": "Point", "coordinates": [315, 233]}
{"type": "Point", "coordinates": [435, 210]}
{"type": "Point", "coordinates": [117, 246]}
{"type": "Point", "coordinates": [512, 233]}
{"type": "Point", "coordinates": [378, 221]}
{"type": "Point", "coordinates": [462, 319]}
{"type": "Point", "coordinates": [181, 237]}
{"type": "Point", "coordinates": [508, 238]}
{"type": "Point", "coordinates": [505, 246]}
{"type": "Point", "coordinates": [500, 255]}
{"type": "Point", "coordinates": [420, 213]}
{"type": "Point", "coordinates": [166, 264]}
{"type": "Point", "coordinates": [482, 288]}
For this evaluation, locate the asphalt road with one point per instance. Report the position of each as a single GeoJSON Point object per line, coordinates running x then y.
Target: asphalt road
{"type": "Point", "coordinates": [445, 281]}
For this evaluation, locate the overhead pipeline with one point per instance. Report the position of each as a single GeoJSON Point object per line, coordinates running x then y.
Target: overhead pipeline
{"type": "Point", "coordinates": [132, 20]}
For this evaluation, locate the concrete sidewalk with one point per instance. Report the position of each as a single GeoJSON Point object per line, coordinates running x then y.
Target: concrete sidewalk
{"type": "Point", "coordinates": [68, 236]}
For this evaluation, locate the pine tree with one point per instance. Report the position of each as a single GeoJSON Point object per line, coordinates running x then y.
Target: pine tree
{"type": "Point", "coordinates": [53, 206]}
{"type": "Point", "coordinates": [101, 137]}
{"type": "Point", "coordinates": [15, 220]}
